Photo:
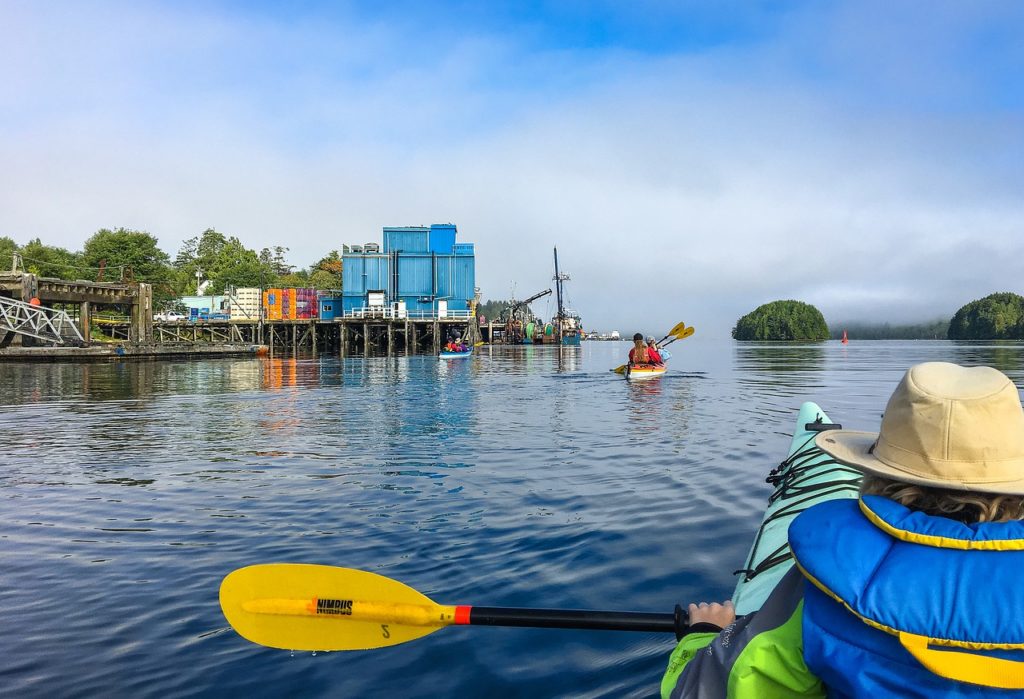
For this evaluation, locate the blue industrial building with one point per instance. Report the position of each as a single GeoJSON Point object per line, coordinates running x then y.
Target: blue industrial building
{"type": "Point", "coordinates": [420, 269]}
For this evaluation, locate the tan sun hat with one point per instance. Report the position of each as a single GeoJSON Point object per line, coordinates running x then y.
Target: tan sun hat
{"type": "Point", "coordinates": [946, 426]}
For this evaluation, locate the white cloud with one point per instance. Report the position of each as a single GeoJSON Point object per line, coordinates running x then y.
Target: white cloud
{"type": "Point", "coordinates": [687, 187]}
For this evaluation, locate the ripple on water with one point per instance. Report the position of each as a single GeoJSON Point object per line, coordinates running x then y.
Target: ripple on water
{"type": "Point", "coordinates": [520, 477]}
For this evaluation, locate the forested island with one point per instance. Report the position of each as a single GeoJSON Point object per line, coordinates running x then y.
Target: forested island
{"type": "Point", "coordinates": [782, 320]}
{"type": "Point", "coordinates": [997, 316]}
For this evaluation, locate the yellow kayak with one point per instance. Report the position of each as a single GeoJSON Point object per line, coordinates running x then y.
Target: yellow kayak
{"type": "Point", "coordinates": [642, 372]}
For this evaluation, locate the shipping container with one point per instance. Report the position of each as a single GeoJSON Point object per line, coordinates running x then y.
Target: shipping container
{"type": "Point", "coordinates": [411, 239]}
{"type": "Point", "coordinates": [442, 238]}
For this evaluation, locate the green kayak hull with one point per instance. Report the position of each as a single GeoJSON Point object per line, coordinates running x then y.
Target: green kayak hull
{"type": "Point", "coordinates": [806, 477]}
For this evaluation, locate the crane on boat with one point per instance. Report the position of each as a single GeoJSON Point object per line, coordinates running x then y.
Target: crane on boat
{"type": "Point", "coordinates": [518, 316]}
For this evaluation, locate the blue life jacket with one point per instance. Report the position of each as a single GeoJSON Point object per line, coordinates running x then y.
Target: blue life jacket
{"type": "Point", "coordinates": [901, 603]}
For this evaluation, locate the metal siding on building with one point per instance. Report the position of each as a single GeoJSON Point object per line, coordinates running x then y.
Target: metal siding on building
{"type": "Point", "coordinates": [377, 272]}
{"type": "Point", "coordinates": [350, 303]}
{"type": "Point", "coordinates": [415, 275]}
{"type": "Point", "coordinates": [442, 238]}
{"type": "Point", "coordinates": [362, 273]}
{"type": "Point", "coordinates": [352, 274]}
{"type": "Point", "coordinates": [415, 307]}
{"type": "Point", "coordinates": [330, 307]}
{"type": "Point", "coordinates": [214, 304]}
{"type": "Point", "coordinates": [443, 276]}
{"type": "Point", "coordinates": [456, 277]}
{"type": "Point", "coordinates": [414, 239]}
{"type": "Point", "coordinates": [464, 277]}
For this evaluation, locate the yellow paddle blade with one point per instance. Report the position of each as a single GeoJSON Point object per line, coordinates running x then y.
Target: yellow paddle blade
{"type": "Point", "coordinates": [686, 333]}
{"type": "Point", "coordinates": [676, 329]}
{"type": "Point", "coordinates": [620, 369]}
{"type": "Point", "coordinates": [297, 606]}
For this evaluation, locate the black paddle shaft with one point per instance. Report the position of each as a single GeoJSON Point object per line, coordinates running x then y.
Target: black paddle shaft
{"type": "Point", "coordinates": [580, 619]}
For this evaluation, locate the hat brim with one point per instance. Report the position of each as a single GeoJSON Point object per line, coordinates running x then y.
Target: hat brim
{"type": "Point", "coordinates": [853, 448]}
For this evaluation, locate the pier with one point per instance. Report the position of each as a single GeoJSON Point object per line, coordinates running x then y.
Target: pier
{"type": "Point", "coordinates": [54, 318]}
{"type": "Point", "coordinates": [345, 337]}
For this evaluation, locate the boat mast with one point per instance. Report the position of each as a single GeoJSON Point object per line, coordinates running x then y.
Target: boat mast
{"type": "Point", "coordinates": [561, 310]}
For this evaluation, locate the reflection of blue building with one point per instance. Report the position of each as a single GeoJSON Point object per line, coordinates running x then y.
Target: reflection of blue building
{"type": "Point", "coordinates": [423, 267]}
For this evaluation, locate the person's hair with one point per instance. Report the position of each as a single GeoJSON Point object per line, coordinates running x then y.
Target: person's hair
{"type": "Point", "coordinates": [964, 506]}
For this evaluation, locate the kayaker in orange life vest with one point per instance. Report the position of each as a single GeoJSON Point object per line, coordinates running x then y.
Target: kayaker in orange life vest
{"type": "Point", "coordinates": [639, 354]}
{"type": "Point", "coordinates": [912, 590]}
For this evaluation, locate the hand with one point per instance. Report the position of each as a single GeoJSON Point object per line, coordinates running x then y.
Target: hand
{"type": "Point", "coordinates": [718, 614]}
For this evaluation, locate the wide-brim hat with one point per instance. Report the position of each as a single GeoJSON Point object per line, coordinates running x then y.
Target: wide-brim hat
{"type": "Point", "coordinates": [945, 426]}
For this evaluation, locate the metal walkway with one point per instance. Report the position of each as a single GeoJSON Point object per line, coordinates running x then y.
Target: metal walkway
{"type": "Point", "coordinates": [47, 324]}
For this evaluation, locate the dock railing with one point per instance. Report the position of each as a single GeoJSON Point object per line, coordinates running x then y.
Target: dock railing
{"type": "Point", "coordinates": [391, 313]}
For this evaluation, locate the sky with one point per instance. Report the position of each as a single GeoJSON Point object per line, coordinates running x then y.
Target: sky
{"type": "Point", "coordinates": [691, 160]}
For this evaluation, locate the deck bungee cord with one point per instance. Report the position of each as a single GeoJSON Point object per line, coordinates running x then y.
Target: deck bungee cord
{"type": "Point", "coordinates": [792, 480]}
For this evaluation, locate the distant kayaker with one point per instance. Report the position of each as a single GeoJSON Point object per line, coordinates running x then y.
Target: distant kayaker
{"type": "Point", "coordinates": [455, 345]}
{"type": "Point", "coordinates": [639, 354]}
{"type": "Point", "coordinates": [911, 590]}
{"type": "Point", "coordinates": [652, 351]}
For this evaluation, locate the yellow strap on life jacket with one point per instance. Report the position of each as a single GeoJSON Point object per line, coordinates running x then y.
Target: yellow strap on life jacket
{"type": "Point", "coordinates": [965, 667]}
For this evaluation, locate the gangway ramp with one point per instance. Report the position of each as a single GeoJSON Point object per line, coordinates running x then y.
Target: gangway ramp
{"type": "Point", "coordinates": [46, 324]}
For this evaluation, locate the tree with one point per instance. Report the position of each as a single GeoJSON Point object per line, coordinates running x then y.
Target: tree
{"type": "Point", "coordinates": [782, 320]}
{"type": "Point", "coordinates": [221, 260]}
{"type": "Point", "coordinates": [299, 279]}
{"type": "Point", "coordinates": [996, 317]}
{"type": "Point", "coordinates": [131, 256]}
{"type": "Point", "coordinates": [492, 310]}
{"type": "Point", "coordinates": [326, 273]}
{"type": "Point", "coordinates": [134, 252]}
{"type": "Point", "coordinates": [274, 259]}
{"type": "Point", "coordinates": [7, 249]}
{"type": "Point", "coordinates": [51, 261]}
{"type": "Point", "coordinates": [934, 330]}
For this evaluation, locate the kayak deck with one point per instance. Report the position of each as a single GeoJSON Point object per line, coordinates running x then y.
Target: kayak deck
{"type": "Point", "coordinates": [640, 373]}
{"type": "Point", "coordinates": [806, 477]}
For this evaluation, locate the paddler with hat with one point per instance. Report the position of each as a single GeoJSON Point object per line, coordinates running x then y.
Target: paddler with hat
{"type": "Point", "coordinates": [913, 589]}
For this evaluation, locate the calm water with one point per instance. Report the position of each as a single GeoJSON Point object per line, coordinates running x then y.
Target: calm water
{"type": "Point", "coordinates": [520, 477]}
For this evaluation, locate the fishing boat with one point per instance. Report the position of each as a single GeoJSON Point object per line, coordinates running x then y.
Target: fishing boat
{"type": "Point", "coordinates": [643, 372]}
{"type": "Point", "coordinates": [806, 477]}
{"type": "Point", "coordinates": [567, 324]}
{"type": "Point", "coordinates": [455, 355]}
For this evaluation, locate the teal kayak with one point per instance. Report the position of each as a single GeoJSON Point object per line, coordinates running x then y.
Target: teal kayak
{"type": "Point", "coordinates": [806, 477]}
{"type": "Point", "coordinates": [456, 355]}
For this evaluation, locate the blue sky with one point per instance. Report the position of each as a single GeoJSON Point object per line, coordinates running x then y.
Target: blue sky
{"type": "Point", "coordinates": [690, 159]}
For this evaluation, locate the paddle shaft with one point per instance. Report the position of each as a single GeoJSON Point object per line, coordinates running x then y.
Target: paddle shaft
{"type": "Point", "coordinates": [574, 619]}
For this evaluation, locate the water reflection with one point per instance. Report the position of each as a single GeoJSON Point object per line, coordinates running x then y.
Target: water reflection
{"type": "Point", "coordinates": [645, 403]}
{"type": "Point", "coordinates": [1007, 356]}
{"type": "Point", "coordinates": [779, 357]}
{"type": "Point", "coordinates": [532, 359]}
{"type": "Point", "coordinates": [780, 368]}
